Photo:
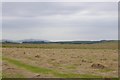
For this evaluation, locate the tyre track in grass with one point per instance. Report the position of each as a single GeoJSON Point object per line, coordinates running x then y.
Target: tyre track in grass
{"type": "Point", "coordinates": [42, 70]}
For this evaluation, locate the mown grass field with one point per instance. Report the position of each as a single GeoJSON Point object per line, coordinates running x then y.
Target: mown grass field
{"type": "Point", "coordinates": [60, 60]}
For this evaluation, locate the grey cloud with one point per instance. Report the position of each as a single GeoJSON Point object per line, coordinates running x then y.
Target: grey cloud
{"type": "Point", "coordinates": [29, 9]}
{"type": "Point", "coordinates": [36, 9]}
{"type": "Point", "coordinates": [60, 21]}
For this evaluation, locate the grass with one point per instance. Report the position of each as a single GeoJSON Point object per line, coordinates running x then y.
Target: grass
{"type": "Point", "coordinates": [70, 67]}
{"type": "Point", "coordinates": [28, 67]}
{"type": "Point", "coordinates": [105, 70]}
{"type": "Point", "coordinates": [48, 71]}
{"type": "Point", "coordinates": [105, 45]}
{"type": "Point", "coordinates": [6, 75]}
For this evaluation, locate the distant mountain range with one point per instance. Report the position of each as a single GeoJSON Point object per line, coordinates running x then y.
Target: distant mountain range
{"type": "Point", "coordinates": [38, 41]}
{"type": "Point", "coordinates": [23, 41]}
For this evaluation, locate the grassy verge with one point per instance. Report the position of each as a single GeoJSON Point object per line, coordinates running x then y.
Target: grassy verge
{"type": "Point", "coordinates": [48, 71]}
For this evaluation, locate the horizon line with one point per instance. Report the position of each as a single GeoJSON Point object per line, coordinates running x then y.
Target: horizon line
{"type": "Point", "coordinates": [57, 40]}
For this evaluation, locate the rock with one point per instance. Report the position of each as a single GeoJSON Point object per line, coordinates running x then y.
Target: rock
{"type": "Point", "coordinates": [37, 76]}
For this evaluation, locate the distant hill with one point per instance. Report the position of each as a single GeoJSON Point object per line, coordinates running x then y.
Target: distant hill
{"type": "Point", "coordinates": [8, 41]}
{"type": "Point", "coordinates": [34, 41]}
{"type": "Point", "coordinates": [24, 41]}
{"type": "Point", "coordinates": [37, 41]}
{"type": "Point", "coordinates": [83, 42]}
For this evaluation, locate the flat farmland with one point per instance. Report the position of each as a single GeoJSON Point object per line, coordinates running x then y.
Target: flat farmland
{"type": "Point", "coordinates": [98, 60]}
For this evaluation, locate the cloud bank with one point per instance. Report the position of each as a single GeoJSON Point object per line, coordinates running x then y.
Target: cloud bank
{"type": "Point", "coordinates": [60, 20]}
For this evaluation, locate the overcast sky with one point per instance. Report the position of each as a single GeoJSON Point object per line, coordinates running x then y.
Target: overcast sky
{"type": "Point", "coordinates": [60, 0]}
{"type": "Point", "coordinates": [60, 20]}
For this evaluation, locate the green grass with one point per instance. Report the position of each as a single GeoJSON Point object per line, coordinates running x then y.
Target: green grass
{"type": "Point", "coordinates": [71, 75]}
{"type": "Point", "coordinates": [48, 71]}
{"type": "Point", "coordinates": [28, 67]}
{"type": "Point", "coordinates": [6, 75]}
